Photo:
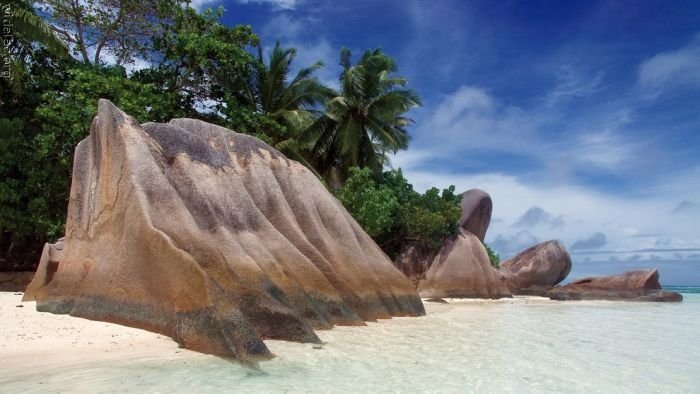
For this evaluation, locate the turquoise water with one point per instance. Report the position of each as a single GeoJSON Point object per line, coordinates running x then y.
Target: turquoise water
{"type": "Point", "coordinates": [683, 289]}
{"type": "Point", "coordinates": [503, 346]}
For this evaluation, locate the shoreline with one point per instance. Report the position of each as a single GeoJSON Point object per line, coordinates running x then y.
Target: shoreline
{"type": "Point", "coordinates": [28, 335]}
{"type": "Point", "coordinates": [64, 340]}
{"type": "Point", "coordinates": [67, 341]}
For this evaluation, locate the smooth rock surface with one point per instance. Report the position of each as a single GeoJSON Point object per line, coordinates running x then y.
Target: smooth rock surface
{"type": "Point", "coordinates": [462, 270]}
{"type": "Point", "coordinates": [544, 264]}
{"type": "Point", "coordinates": [631, 285]}
{"type": "Point", "coordinates": [212, 238]}
{"type": "Point", "coordinates": [476, 212]}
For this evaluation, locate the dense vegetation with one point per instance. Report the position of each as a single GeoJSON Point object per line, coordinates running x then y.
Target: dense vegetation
{"type": "Point", "coordinates": [394, 214]}
{"type": "Point", "coordinates": [68, 54]}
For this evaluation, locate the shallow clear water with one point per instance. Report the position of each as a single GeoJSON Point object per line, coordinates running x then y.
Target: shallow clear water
{"type": "Point", "coordinates": [506, 346]}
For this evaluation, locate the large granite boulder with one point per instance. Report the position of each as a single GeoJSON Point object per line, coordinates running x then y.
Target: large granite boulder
{"type": "Point", "coordinates": [212, 238]}
{"type": "Point", "coordinates": [544, 264]}
{"type": "Point", "coordinates": [462, 269]}
{"type": "Point", "coordinates": [476, 212]}
{"type": "Point", "coordinates": [630, 285]}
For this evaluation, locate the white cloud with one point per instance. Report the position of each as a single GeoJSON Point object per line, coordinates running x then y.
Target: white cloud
{"type": "Point", "coordinates": [585, 211]}
{"type": "Point", "coordinates": [281, 4]}
{"type": "Point", "coordinates": [672, 69]}
{"type": "Point", "coordinates": [470, 118]}
{"type": "Point", "coordinates": [572, 83]}
{"type": "Point", "coordinates": [202, 4]}
{"type": "Point", "coordinates": [289, 32]}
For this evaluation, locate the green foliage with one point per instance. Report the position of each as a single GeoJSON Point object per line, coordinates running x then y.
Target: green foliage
{"type": "Point", "coordinates": [28, 34]}
{"type": "Point", "coordinates": [100, 29]}
{"type": "Point", "coordinates": [280, 108]}
{"type": "Point", "coordinates": [373, 206]}
{"type": "Point", "coordinates": [366, 119]}
{"type": "Point", "coordinates": [493, 257]}
{"type": "Point", "coordinates": [393, 213]}
{"type": "Point", "coordinates": [202, 69]}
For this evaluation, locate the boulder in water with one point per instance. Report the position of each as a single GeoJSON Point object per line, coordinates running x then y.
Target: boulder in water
{"type": "Point", "coordinates": [545, 264]}
{"type": "Point", "coordinates": [631, 285]}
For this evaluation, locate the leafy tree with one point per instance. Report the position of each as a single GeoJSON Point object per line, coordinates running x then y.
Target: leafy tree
{"type": "Point", "coordinates": [120, 29]}
{"type": "Point", "coordinates": [493, 257]}
{"type": "Point", "coordinates": [394, 214]}
{"type": "Point", "coordinates": [26, 28]}
{"type": "Point", "coordinates": [199, 60]}
{"type": "Point", "coordinates": [373, 206]}
{"type": "Point", "coordinates": [38, 135]}
{"type": "Point", "coordinates": [365, 120]}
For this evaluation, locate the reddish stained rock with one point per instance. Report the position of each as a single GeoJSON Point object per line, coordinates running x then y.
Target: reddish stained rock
{"type": "Point", "coordinates": [644, 279]}
{"type": "Point", "coordinates": [462, 270]}
{"type": "Point", "coordinates": [476, 212]}
{"type": "Point", "coordinates": [212, 238]}
{"type": "Point", "coordinates": [544, 264]}
{"type": "Point", "coordinates": [630, 285]}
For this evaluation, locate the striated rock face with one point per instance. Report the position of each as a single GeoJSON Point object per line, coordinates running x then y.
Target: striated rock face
{"type": "Point", "coordinates": [630, 285]}
{"type": "Point", "coordinates": [212, 238]}
{"type": "Point", "coordinates": [544, 264]}
{"type": "Point", "coordinates": [476, 212]}
{"type": "Point", "coordinates": [462, 270]}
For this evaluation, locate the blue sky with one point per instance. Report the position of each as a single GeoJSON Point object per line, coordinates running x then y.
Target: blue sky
{"type": "Point", "coordinates": [581, 119]}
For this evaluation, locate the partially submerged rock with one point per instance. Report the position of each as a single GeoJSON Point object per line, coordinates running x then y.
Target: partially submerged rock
{"type": "Point", "coordinates": [544, 264]}
{"type": "Point", "coordinates": [476, 212]}
{"type": "Point", "coordinates": [630, 285]}
{"type": "Point", "coordinates": [212, 238]}
{"type": "Point", "coordinates": [462, 270]}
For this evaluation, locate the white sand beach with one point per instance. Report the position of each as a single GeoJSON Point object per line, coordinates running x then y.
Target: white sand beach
{"type": "Point", "coordinates": [33, 339]}
{"type": "Point", "coordinates": [511, 344]}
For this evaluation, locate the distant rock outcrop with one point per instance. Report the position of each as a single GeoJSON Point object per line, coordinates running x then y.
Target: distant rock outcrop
{"type": "Point", "coordinates": [630, 285]}
{"type": "Point", "coordinates": [462, 270]}
{"type": "Point", "coordinates": [476, 212]}
{"type": "Point", "coordinates": [544, 264]}
{"type": "Point", "coordinates": [212, 238]}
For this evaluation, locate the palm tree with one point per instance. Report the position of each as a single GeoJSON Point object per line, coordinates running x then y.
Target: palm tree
{"type": "Point", "coordinates": [26, 28]}
{"type": "Point", "coordinates": [293, 105]}
{"type": "Point", "coordinates": [365, 120]}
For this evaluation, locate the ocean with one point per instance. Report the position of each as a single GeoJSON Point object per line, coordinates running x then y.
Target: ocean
{"type": "Point", "coordinates": [520, 345]}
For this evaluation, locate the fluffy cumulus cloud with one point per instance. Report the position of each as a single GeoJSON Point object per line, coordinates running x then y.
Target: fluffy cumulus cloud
{"type": "Point", "coordinates": [595, 241]}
